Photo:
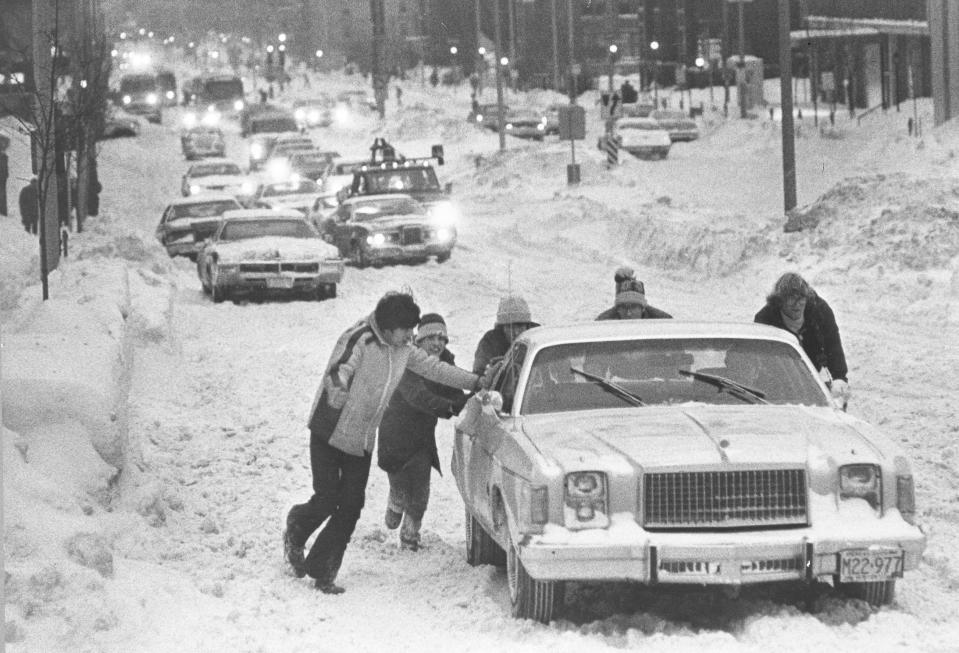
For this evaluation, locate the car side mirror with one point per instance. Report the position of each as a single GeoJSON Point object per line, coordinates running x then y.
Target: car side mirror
{"type": "Point", "coordinates": [448, 188]}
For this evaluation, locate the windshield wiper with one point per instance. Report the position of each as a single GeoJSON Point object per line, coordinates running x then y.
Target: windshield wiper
{"type": "Point", "coordinates": [611, 387]}
{"type": "Point", "coordinates": [738, 390]}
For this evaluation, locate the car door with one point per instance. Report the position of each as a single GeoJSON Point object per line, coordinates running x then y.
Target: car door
{"type": "Point", "coordinates": [479, 436]}
{"type": "Point", "coordinates": [341, 229]}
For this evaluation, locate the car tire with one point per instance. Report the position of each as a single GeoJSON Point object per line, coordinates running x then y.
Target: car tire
{"type": "Point", "coordinates": [444, 257]}
{"type": "Point", "coordinates": [217, 294]}
{"type": "Point", "coordinates": [877, 594]}
{"type": "Point", "coordinates": [358, 257]}
{"type": "Point", "coordinates": [331, 291]}
{"type": "Point", "coordinates": [481, 549]}
{"type": "Point", "coordinates": [529, 598]}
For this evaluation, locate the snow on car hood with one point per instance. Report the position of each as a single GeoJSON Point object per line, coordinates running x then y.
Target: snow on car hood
{"type": "Point", "coordinates": [283, 201]}
{"type": "Point", "coordinates": [396, 221]}
{"type": "Point", "coordinates": [276, 248]}
{"type": "Point", "coordinates": [220, 180]}
{"type": "Point", "coordinates": [662, 437]}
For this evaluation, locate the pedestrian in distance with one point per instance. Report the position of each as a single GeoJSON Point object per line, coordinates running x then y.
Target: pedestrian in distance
{"type": "Point", "coordinates": [512, 318]}
{"type": "Point", "coordinates": [630, 302]}
{"type": "Point", "coordinates": [4, 175]}
{"type": "Point", "coordinates": [366, 366]}
{"type": "Point", "coordinates": [29, 207]}
{"type": "Point", "coordinates": [793, 305]}
{"type": "Point", "coordinates": [406, 447]}
{"type": "Point", "coordinates": [434, 78]}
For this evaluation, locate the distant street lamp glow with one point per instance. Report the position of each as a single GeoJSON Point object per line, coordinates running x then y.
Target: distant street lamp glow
{"type": "Point", "coordinates": [613, 49]}
{"type": "Point", "coordinates": [319, 54]}
{"type": "Point", "coordinates": [482, 51]}
{"type": "Point", "coordinates": [654, 45]}
{"type": "Point", "coordinates": [269, 48]}
{"type": "Point", "coordinates": [504, 61]}
{"type": "Point", "coordinates": [281, 37]}
{"type": "Point", "coordinates": [453, 49]}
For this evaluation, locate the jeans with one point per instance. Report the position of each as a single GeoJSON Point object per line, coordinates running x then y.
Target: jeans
{"type": "Point", "coordinates": [339, 491]}
{"type": "Point", "coordinates": [410, 493]}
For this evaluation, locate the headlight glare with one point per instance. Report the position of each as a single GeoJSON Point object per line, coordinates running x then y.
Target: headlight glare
{"type": "Point", "coordinates": [194, 189]}
{"type": "Point", "coordinates": [238, 105]}
{"type": "Point", "coordinates": [376, 239]}
{"type": "Point", "coordinates": [127, 99]}
{"type": "Point", "coordinates": [299, 114]}
{"type": "Point", "coordinates": [861, 481]}
{"type": "Point", "coordinates": [170, 95]}
{"type": "Point", "coordinates": [256, 151]}
{"type": "Point", "coordinates": [151, 98]}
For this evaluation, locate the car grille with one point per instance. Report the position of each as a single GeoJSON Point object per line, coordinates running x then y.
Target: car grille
{"type": "Point", "coordinates": [275, 268]}
{"type": "Point", "coordinates": [772, 497]}
{"type": "Point", "coordinates": [411, 236]}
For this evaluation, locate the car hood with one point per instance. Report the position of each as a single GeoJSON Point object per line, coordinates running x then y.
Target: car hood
{"type": "Point", "coordinates": [276, 248]}
{"type": "Point", "coordinates": [699, 435]}
{"type": "Point", "coordinates": [220, 180]}
{"type": "Point", "coordinates": [396, 222]}
{"type": "Point", "coordinates": [285, 201]}
{"type": "Point", "coordinates": [643, 137]}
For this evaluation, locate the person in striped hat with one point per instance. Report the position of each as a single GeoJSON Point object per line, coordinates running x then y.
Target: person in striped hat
{"type": "Point", "coordinates": [630, 303]}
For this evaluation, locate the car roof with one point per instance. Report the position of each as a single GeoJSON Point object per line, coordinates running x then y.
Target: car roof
{"type": "Point", "coordinates": [214, 160]}
{"type": "Point", "coordinates": [259, 214]}
{"type": "Point", "coordinates": [201, 198]}
{"type": "Point", "coordinates": [365, 199]}
{"type": "Point", "coordinates": [607, 330]}
{"type": "Point", "coordinates": [636, 120]}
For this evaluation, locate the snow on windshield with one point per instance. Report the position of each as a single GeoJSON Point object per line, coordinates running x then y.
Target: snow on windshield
{"type": "Point", "coordinates": [241, 230]}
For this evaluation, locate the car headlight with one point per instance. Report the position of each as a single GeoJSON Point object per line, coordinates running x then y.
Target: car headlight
{"type": "Point", "coordinates": [479, 117]}
{"type": "Point", "coordinates": [585, 501]}
{"type": "Point", "coordinates": [127, 99]}
{"type": "Point", "coordinates": [170, 95]}
{"type": "Point", "coordinates": [541, 126]}
{"type": "Point", "coordinates": [313, 116]}
{"type": "Point", "coordinates": [256, 151]}
{"type": "Point", "coordinates": [444, 235]}
{"type": "Point", "coordinates": [195, 188]}
{"type": "Point", "coordinates": [238, 105]}
{"type": "Point", "coordinates": [189, 119]}
{"type": "Point", "coordinates": [299, 114]}
{"type": "Point", "coordinates": [211, 108]}
{"type": "Point", "coordinates": [509, 125]}
{"type": "Point", "coordinates": [861, 482]}
{"type": "Point", "coordinates": [151, 98]}
{"type": "Point", "coordinates": [376, 239]}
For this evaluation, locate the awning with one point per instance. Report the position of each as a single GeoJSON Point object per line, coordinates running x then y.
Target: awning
{"type": "Point", "coordinates": [830, 27]}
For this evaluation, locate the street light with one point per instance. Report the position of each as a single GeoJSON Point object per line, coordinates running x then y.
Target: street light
{"type": "Point", "coordinates": [654, 46]}
{"type": "Point", "coordinates": [613, 49]}
{"type": "Point", "coordinates": [504, 61]}
{"type": "Point", "coordinates": [453, 49]}
{"type": "Point", "coordinates": [281, 38]}
{"type": "Point", "coordinates": [319, 54]}
{"type": "Point", "coordinates": [482, 51]}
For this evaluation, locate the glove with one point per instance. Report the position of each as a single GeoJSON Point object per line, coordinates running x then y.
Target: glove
{"type": "Point", "coordinates": [840, 391]}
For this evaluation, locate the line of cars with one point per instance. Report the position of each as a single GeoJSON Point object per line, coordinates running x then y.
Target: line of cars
{"type": "Point", "coordinates": [647, 132]}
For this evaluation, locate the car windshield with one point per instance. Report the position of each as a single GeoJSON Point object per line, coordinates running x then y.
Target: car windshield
{"type": "Point", "coordinates": [346, 168]}
{"type": "Point", "coordinates": [380, 208]}
{"type": "Point", "coordinates": [657, 372]}
{"type": "Point", "coordinates": [641, 126]}
{"type": "Point", "coordinates": [244, 229]}
{"type": "Point", "coordinates": [215, 169]}
{"type": "Point", "coordinates": [223, 89]}
{"type": "Point", "coordinates": [166, 80]}
{"type": "Point", "coordinates": [138, 84]}
{"type": "Point", "coordinates": [276, 124]}
{"type": "Point", "coordinates": [204, 209]}
{"type": "Point", "coordinates": [291, 188]}
{"type": "Point", "coordinates": [400, 179]}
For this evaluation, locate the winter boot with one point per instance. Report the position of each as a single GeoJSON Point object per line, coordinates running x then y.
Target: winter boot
{"type": "Point", "coordinates": [328, 587]}
{"type": "Point", "coordinates": [294, 555]}
{"type": "Point", "coordinates": [410, 533]}
{"type": "Point", "coordinates": [392, 519]}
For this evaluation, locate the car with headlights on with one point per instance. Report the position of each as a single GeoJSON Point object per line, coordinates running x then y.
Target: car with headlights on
{"type": "Point", "coordinates": [487, 116]}
{"type": "Point", "coordinates": [217, 175]}
{"type": "Point", "coordinates": [376, 229]}
{"type": "Point", "coordinates": [292, 193]}
{"type": "Point", "coordinates": [268, 251]}
{"type": "Point", "coordinates": [140, 95]}
{"type": "Point", "coordinates": [524, 124]}
{"type": "Point", "coordinates": [312, 112]}
{"type": "Point", "coordinates": [642, 137]}
{"type": "Point", "coordinates": [188, 221]}
{"type": "Point", "coordinates": [310, 165]}
{"type": "Point", "coordinates": [202, 141]}
{"type": "Point", "coordinates": [677, 124]}
{"type": "Point", "coordinates": [661, 452]}
{"type": "Point", "coordinates": [117, 123]}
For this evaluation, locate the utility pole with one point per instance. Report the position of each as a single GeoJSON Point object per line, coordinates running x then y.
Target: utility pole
{"type": "Point", "coordinates": [572, 51]}
{"type": "Point", "coordinates": [786, 89]}
{"type": "Point", "coordinates": [479, 43]}
{"type": "Point", "coordinates": [555, 29]}
{"type": "Point", "coordinates": [511, 18]}
{"type": "Point", "coordinates": [377, 15]}
{"type": "Point", "coordinates": [741, 75]}
{"type": "Point", "coordinates": [497, 48]}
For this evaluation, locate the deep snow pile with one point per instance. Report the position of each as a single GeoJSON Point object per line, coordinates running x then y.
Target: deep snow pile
{"type": "Point", "coordinates": [169, 540]}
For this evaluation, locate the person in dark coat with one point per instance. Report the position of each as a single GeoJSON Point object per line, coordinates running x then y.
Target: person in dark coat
{"type": "Point", "coordinates": [512, 318]}
{"type": "Point", "coordinates": [793, 305]}
{"type": "Point", "coordinates": [29, 209]}
{"type": "Point", "coordinates": [628, 93]}
{"type": "Point", "coordinates": [630, 302]}
{"type": "Point", "coordinates": [406, 449]}
{"type": "Point", "coordinates": [366, 365]}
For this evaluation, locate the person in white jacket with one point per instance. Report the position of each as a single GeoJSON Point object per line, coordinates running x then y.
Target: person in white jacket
{"type": "Point", "coordinates": [366, 365]}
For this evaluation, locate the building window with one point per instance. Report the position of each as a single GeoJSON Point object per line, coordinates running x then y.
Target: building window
{"type": "Point", "coordinates": [627, 7]}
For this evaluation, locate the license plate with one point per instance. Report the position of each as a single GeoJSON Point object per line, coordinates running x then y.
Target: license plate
{"type": "Point", "coordinates": [865, 565]}
{"type": "Point", "coordinates": [279, 282]}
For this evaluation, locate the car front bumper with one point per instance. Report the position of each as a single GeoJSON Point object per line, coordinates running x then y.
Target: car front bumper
{"type": "Point", "coordinates": [402, 253]}
{"type": "Point", "coordinates": [647, 150]}
{"type": "Point", "coordinates": [328, 273]}
{"type": "Point", "coordinates": [713, 558]}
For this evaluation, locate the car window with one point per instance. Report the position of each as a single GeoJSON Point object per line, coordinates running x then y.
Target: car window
{"type": "Point", "coordinates": [244, 229]}
{"type": "Point", "coordinates": [384, 207]}
{"type": "Point", "coordinates": [638, 126]}
{"type": "Point", "coordinates": [290, 188]}
{"type": "Point", "coordinates": [650, 369]}
{"type": "Point", "coordinates": [204, 209]}
{"type": "Point", "coordinates": [400, 179]}
{"type": "Point", "coordinates": [508, 377]}
{"type": "Point", "coordinates": [215, 169]}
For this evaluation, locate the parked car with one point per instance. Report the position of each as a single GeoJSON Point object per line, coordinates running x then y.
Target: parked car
{"type": "Point", "coordinates": [551, 116]}
{"type": "Point", "coordinates": [258, 119]}
{"type": "Point", "coordinates": [679, 126]}
{"type": "Point", "coordinates": [119, 124]}
{"type": "Point", "coordinates": [671, 453]}
{"type": "Point", "coordinates": [642, 137]}
{"type": "Point", "coordinates": [266, 250]}
{"type": "Point", "coordinates": [313, 112]}
{"type": "Point", "coordinates": [525, 124]}
{"type": "Point", "coordinates": [640, 109]}
{"type": "Point", "coordinates": [166, 82]}
{"type": "Point", "coordinates": [298, 194]}
{"type": "Point", "coordinates": [140, 95]}
{"type": "Point", "coordinates": [188, 221]}
{"type": "Point", "coordinates": [375, 229]}
{"type": "Point", "coordinates": [217, 175]}
{"type": "Point", "coordinates": [310, 165]}
{"type": "Point", "coordinates": [202, 141]}
{"type": "Point", "coordinates": [487, 116]}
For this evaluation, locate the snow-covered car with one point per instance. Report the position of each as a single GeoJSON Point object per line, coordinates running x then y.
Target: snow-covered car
{"type": "Point", "coordinates": [314, 112]}
{"type": "Point", "coordinates": [310, 165]}
{"type": "Point", "coordinates": [677, 124]}
{"type": "Point", "coordinates": [642, 137]}
{"type": "Point", "coordinates": [202, 141]}
{"type": "Point", "coordinates": [119, 124]}
{"type": "Point", "coordinates": [375, 229]}
{"type": "Point", "coordinates": [526, 125]}
{"type": "Point", "coordinates": [340, 175]}
{"type": "Point", "coordinates": [294, 193]}
{"type": "Point", "coordinates": [266, 250]}
{"type": "Point", "coordinates": [672, 453]}
{"type": "Point", "coordinates": [217, 175]}
{"type": "Point", "coordinates": [188, 221]}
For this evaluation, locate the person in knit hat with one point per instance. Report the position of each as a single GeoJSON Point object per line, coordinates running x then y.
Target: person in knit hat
{"type": "Point", "coordinates": [406, 449]}
{"type": "Point", "coordinates": [512, 318]}
{"type": "Point", "coordinates": [793, 305]}
{"type": "Point", "coordinates": [630, 302]}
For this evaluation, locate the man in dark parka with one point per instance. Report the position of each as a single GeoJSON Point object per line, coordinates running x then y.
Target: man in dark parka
{"type": "Point", "coordinates": [406, 447]}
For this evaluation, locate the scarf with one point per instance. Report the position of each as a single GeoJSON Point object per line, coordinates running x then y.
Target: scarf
{"type": "Point", "coordinates": [794, 325]}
